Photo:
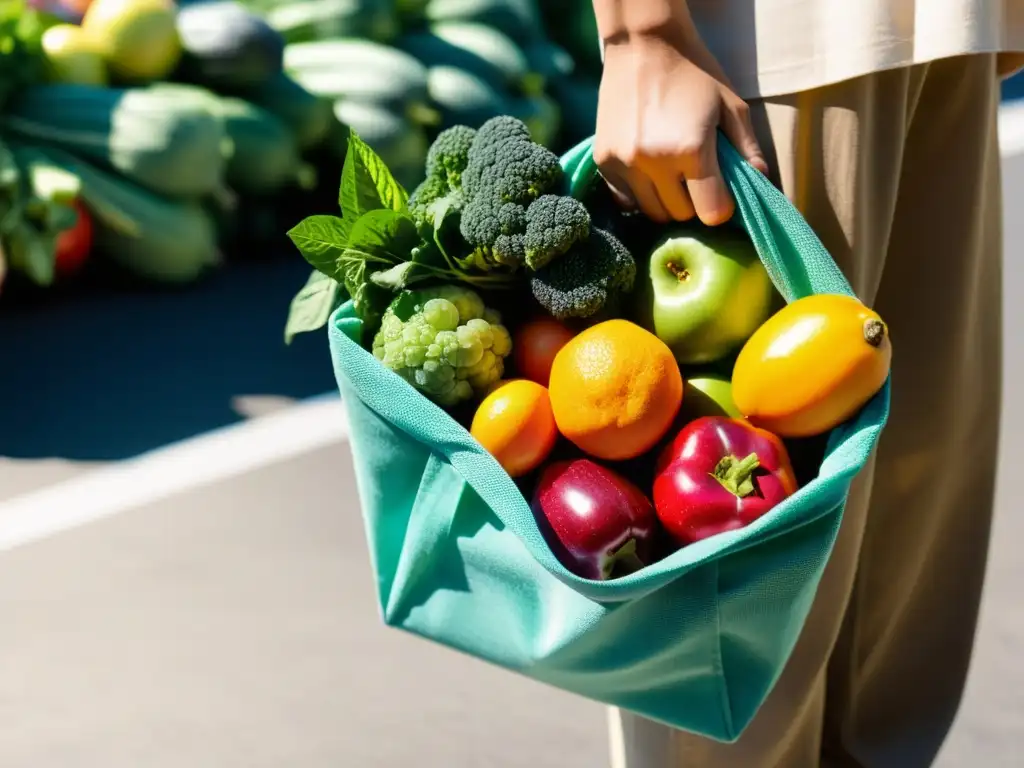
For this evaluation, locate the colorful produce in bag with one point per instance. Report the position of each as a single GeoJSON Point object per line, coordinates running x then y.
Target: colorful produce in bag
{"type": "Point", "coordinates": [490, 227]}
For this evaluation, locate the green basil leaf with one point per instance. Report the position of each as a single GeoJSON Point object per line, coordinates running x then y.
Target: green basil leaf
{"type": "Point", "coordinates": [383, 237]}
{"type": "Point", "coordinates": [313, 305]}
{"type": "Point", "coordinates": [399, 276]}
{"type": "Point", "coordinates": [367, 183]}
{"type": "Point", "coordinates": [322, 241]}
{"type": "Point", "coordinates": [58, 218]}
{"type": "Point", "coordinates": [32, 254]}
{"type": "Point", "coordinates": [10, 174]}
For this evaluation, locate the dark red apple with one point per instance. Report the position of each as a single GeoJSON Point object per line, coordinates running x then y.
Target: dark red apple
{"type": "Point", "coordinates": [597, 523]}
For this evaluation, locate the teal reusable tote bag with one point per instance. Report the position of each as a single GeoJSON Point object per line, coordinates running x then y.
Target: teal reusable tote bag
{"type": "Point", "coordinates": [696, 640]}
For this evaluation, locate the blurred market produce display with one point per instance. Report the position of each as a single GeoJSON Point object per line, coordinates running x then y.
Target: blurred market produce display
{"type": "Point", "coordinates": [157, 139]}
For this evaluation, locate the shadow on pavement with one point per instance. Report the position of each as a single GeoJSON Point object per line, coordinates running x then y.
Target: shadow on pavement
{"type": "Point", "coordinates": [1013, 88]}
{"type": "Point", "coordinates": [111, 374]}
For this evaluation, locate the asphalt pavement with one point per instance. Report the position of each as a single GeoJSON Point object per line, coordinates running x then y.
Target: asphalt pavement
{"type": "Point", "coordinates": [209, 604]}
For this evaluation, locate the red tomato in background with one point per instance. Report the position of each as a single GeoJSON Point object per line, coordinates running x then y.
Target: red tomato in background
{"type": "Point", "coordinates": [74, 245]}
{"type": "Point", "coordinates": [535, 345]}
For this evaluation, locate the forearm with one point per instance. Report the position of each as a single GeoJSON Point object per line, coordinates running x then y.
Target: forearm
{"type": "Point", "coordinates": [621, 20]}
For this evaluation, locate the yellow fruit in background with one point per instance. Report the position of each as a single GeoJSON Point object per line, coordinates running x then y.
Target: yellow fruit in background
{"type": "Point", "coordinates": [138, 38]}
{"type": "Point", "coordinates": [72, 57]}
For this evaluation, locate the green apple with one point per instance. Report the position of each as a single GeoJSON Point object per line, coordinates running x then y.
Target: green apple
{"type": "Point", "coordinates": [705, 293]}
{"type": "Point", "coordinates": [707, 394]}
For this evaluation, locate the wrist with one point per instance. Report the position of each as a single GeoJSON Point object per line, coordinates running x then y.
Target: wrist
{"type": "Point", "coordinates": [644, 22]}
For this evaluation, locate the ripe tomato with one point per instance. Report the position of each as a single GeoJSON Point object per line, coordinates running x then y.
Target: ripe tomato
{"type": "Point", "coordinates": [535, 345]}
{"type": "Point", "coordinates": [74, 245]}
{"type": "Point", "coordinates": [514, 424]}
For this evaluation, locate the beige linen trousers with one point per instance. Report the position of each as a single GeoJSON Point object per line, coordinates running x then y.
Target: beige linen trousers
{"type": "Point", "coordinates": [899, 174]}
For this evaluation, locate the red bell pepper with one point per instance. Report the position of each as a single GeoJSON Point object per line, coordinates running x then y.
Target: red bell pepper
{"type": "Point", "coordinates": [717, 475]}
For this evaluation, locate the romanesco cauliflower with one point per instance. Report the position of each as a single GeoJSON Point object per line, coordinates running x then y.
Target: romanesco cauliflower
{"type": "Point", "coordinates": [450, 348]}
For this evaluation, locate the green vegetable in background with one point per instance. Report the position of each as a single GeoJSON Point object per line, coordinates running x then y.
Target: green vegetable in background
{"type": "Point", "coordinates": [167, 144]}
{"type": "Point", "coordinates": [305, 20]}
{"type": "Point", "coordinates": [227, 47]}
{"type": "Point", "coordinates": [484, 51]}
{"type": "Point", "coordinates": [36, 206]}
{"type": "Point", "coordinates": [463, 98]}
{"type": "Point", "coordinates": [307, 115]}
{"type": "Point", "coordinates": [149, 236]}
{"type": "Point", "coordinates": [572, 24]}
{"type": "Point", "coordinates": [265, 155]}
{"type": "Point", "coordinates": [364, 71]}
{"type": "Point", "coordinates": [22, 62]}
{"type": "Point", "coordinates": [519, 19]}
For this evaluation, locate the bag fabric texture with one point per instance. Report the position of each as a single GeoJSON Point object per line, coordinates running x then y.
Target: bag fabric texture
{"type": "Point", "coordinates": [695, 641]}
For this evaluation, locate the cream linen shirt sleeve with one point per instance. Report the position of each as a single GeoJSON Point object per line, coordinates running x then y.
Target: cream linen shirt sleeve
{"type": "Point", "coordinates": [771, 47]}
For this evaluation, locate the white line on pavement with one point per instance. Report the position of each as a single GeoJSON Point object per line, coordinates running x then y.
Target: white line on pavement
{"type": "Point", "coordinates": [1011, 129]}
{"type": "Point", "coordinates": [165, 472]}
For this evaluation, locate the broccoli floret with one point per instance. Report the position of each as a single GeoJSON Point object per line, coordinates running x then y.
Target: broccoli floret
{"type": "Point", "coordinates": [503, 128]}
{"type": "Point", "coordinates": [502, 187]}
{"type": "Point", "coordinates": [504, 159]}
{"type": "Point", "coordinates": [553, 225]}
{"type": "Point", "coordinates": [495, 232]}
{"type": "Point", "coordinates": [442, 187]}
{"type": "Point", "coordinates": [430, 190]}
{"type": "Point", "coordinates": [505, 173]}
{"type": "Point", "coordinates": [449, 154]}
{"type": "Point", "coordinates": [515, 171]}
{"type": "Point", "coordinates": [586, 278]}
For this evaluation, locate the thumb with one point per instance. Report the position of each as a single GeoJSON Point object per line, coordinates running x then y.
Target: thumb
{"type": "Point", "coordinates": [739, 129]}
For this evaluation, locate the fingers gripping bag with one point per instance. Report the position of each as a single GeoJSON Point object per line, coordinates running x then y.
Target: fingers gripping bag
{"type": "Point", "coordinates": [696, 640]}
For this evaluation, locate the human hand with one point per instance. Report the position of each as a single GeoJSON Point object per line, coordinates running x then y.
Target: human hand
{"type": "Point", "coordinates": [660, 104]}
